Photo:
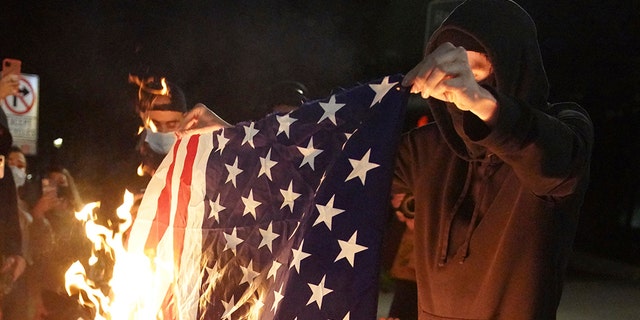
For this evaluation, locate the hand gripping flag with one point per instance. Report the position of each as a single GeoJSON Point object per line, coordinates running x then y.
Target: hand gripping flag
{"type": "Point", "coordinates": [280, 218]}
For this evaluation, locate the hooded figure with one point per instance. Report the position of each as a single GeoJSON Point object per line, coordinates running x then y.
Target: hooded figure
{"type": "Point", "coordinates": [10, 236]}
{"type": "Point", "coordinates": [497, 198]}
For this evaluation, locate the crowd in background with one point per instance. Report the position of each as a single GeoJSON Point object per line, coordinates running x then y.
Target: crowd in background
{"type": "Point", "coordinates": [41, 237]}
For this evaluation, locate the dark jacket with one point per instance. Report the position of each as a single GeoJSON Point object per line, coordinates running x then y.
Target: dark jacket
{"type": "Point", "coordinates": [10, 237]}
{"type": "Point", "coordinates": [496, 209]}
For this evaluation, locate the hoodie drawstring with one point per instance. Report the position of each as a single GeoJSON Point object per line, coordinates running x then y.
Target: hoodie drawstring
{"type": "Point", "coordinates": [444, 238]}
{"type": "Point", "coordinates": [489, 170]}
{"type": "Point", "coordinates": [467, 239]}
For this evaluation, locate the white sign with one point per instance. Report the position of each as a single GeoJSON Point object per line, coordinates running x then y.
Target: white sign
{"type": "Point", "coordinates": [22, 113]}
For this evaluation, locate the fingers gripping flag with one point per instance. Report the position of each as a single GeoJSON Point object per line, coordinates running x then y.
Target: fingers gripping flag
{"type": "Point", "coordinates": [280, 218]}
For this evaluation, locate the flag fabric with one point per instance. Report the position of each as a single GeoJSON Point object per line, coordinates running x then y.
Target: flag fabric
{"type": "Point", "coordinates": [280, 218]}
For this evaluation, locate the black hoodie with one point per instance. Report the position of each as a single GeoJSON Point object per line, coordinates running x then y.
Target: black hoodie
{"type": "Point", "coordinates": [496, 209]}
{"type": "Point", "coordinates": [10, 239]}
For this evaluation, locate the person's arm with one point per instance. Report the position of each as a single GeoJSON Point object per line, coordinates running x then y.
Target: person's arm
{"type": "Point", "coordinates": [200, 119]}
{"type": "Point", "coordinates": [41, 238]}
{"type": "Point", "coordinates": [549, 149]}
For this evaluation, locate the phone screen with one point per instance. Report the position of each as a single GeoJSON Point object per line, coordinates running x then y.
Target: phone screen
{"type": "Point", "coordinates": [48, 186]}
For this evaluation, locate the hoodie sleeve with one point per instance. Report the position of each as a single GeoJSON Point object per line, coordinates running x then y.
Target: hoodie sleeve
{"type": "Point", "coordinates": [549, 150]}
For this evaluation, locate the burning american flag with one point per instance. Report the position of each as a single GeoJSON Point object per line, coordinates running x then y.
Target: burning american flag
{"type": "Point", "coordinates": [280, 218]}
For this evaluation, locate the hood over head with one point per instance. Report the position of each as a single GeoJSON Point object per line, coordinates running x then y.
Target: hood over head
{"type": "Point", "coordinates": [507, 34]}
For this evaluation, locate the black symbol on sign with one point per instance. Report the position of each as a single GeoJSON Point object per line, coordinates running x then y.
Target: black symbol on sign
{"type": "Point", "coordinates": [23, 92]}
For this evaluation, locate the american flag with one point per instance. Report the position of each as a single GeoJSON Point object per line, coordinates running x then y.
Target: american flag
{"type": "Point", "coordinates": [280, 218]}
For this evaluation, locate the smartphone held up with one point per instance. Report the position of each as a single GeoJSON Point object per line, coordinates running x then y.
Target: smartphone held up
{"type": "Point", "coordinates": [11, 66]}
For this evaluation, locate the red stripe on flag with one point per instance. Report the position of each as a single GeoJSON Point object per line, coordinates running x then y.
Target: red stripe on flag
{"type": "Point", "coordinates": [161, 220]}
{"type": "Point", "coordinates": [168, 307]}
{"type": "Point", "coordinates": [184, 196]}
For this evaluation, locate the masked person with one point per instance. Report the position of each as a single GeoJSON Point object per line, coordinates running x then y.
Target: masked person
{"type": "Point", "coordinates": [161, 113]}
{"type": "Point", "coordinates": [499, 178]}
{"type": "Point", "coordinates": [17, 162]}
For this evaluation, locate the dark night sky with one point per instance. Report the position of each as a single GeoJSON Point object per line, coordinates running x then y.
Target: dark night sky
{"type": "Point", "coordinates": [226, 53]}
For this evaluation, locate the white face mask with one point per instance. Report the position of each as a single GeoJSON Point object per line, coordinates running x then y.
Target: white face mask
{"type": "Point", "coordinates": [160, 142]}
{"type": "Point", "coordinates": [19, 176]}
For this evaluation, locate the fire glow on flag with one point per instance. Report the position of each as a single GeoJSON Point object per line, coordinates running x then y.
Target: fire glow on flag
{"type": "Point", "coordinates": [280, 218]}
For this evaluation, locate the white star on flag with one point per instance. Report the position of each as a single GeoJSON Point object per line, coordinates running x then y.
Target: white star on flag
{"type": "Point", "coordinates": [298, 256]}
{"type": "Point", "coordinates": [348, 249]}
{"type": "Point", "coordinates": [216, 208]}
{"type": "Point", "coordinates": [277, 297]}
{"type": "Point", "coordinates": [229, 307]}
{"type": "Point", "coordinates": [248, 274]}
{"type": "Point", "coordinates": [330, 108]}
{"type": "Point", "coordinates": [273, 271]}
{"type": "Point", "coordinates": [222, 141]}
{"type": "Point", "coordinates": [266, 164]}
{"type": "Point", "coordinates": [327, 212]}
{"type": "Point", "coordinates": [249, 133]}
{"type": "Point", "coordinates": [250, 205]}
{"type": "Point", "coordinates": [361, 167]}
{"type": "Point", "coordinates": [381, 89]}
{"type": "Point", "coordinates": [213, 273]}
{"type": "Point", "coordinates": [267, 237]}
{"type": "Point", "coordinates": [318, 292]}
{"type": "Point", "coordinates": [285, 122]}
{"type": "Point", "coordinates": [310, 153]}
{"type": "Point", "coordinates": [232, 240]}
{"type": "Point", "coordinates": [234, 171]}
{"type": "Point", "coordinates": [289, 197]}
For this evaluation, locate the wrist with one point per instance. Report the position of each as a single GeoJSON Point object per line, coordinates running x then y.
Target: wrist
{"type": "Point", "coordinates": [486, 107]}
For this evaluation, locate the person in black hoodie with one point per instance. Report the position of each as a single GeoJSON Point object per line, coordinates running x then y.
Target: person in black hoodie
{"type": "Point", "coordinates": [12, 263]}
{"type": "Point", "coordinates": [499, 178]}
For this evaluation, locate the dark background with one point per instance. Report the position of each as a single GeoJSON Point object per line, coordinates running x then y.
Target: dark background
{"type": "Point", "coordinates": [225, 54]}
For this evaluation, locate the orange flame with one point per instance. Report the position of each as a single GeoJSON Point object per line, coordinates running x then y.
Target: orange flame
{"type": "Point", "coordinates": [132, 276]}
{"type": "Point", "coordinates": [146, 86]}
{"type": "Point", "coordinates": [148, 91]}
{"type": "Point", "coordinates": [138, 283]}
